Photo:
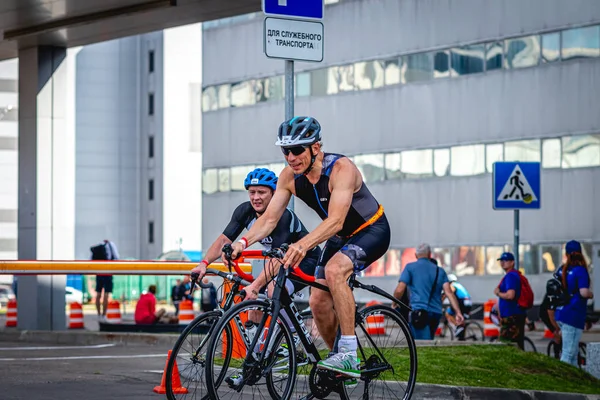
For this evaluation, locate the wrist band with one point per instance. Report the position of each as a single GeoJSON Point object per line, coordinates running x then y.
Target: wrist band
{"type": "Point", "coordinates": [244, 242]}
{"type": "Point", "coordinates": [206, 263]}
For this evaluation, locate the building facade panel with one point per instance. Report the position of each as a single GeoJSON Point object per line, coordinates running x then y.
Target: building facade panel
{"type": "Point", "coordinates": [388, 27]}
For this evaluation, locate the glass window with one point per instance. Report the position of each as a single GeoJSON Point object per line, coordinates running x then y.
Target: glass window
{"type": "Point", "coordinates": [493, 55]}
{"type": "Point", "coordinates": [274, 88]}
{"type": "Point", "coordinates": [581, 151]}
{"type": "Point", "coordinates": [368, 75]}
{"type": "Point", "coordinates": [417, 163]}
{"type": "Point", "coordinates": [303, 84]}
{"type": "Point", "coordinates": [277, 167]}
{"type": "Point", "coordinates": [376, 269]}
{"type": "Point", "coordinates": [224, 180]}
{"type": "Point", "coordinates": [243, 94]}
{"type": "Point", "coordinates": [392, 166]}
{"type": "Point", "coordinates": [467, 260]}
{"type": "Point", "coordinates": [467, 160]}
{"type": "Point", "coordinates": [370, 166]}
{"type": "Point", "coordinates": [323, 81]}
{"type": "Point", "coordinates": [551, 256]}
{"type": "Point", "coordinates": [492, 265]}
{"type": "Point", "coordinates": [522, 52]}
{"type": "Point", "coordinates": [260, 90]}
{"type": "Point", "coordinates": [419, 67]}
{"type": "Point", "coordinates": [581, 42]}
{"type": "Point", "coordinates": [392, 263]}
{"type": "Point", "coordinates": [493, 153]}
{"type": "Point", "coordinates": [551, 153]}
{"type": "Point", "coordinates": [345, 77]}
{"type": "Point", "coordinates": [528, 259]}
{"type": "Point", "coordinates": [467, 59]}
{"type": "Point", "coordinates": [522, 150]}
{"type": "Point", "coordinates": [441, 162]}
{"type": "Point", "coordinates": [209, 181]}
{"type": "Point", "coordinates": [151, 61]}
{"type": "Point", "coordinates": [443, 255]}
{"type": "Point", "coordinates": [551, 47]}
{"type": "Point", "coordinates": [150, 103]}
{"type": "Point", "coordinates": [224, 95]}
{"type": "Point", "coordinates": [441, 63]}
{"type": "Point", "coordinates": [209, 99]}
{"type": "Point", "coordinates": [392, 71]}
{"type": "Point", "coordinates": [238, 174]}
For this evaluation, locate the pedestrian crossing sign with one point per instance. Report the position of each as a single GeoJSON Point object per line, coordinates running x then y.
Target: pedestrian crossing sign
{"type": "Point", "coordinates": [516, 185]}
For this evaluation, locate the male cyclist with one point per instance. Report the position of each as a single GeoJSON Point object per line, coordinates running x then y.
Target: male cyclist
{"type": "Point", "coordinates": [354, 225]}
{"type": "Point", "coordinates": [260, 184]}
{"type": "Point", "coordinates": [464, 301]}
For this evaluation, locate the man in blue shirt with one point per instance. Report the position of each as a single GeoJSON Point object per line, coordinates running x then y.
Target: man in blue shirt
{"type": "Point", "coordinates": [512, 322]}
{"type": "Point", "coordinates": [426, 281]}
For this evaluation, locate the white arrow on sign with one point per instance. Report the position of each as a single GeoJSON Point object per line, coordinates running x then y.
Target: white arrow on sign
{"type": "Point", "coordinates": [282, 3]}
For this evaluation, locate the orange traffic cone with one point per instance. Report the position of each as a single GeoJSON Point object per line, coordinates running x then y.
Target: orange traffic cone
{"type": "Point", "coordinates": [113, 314]}
{"type": "Point", "coordinates": [177, 388]}
{"type": "Point", "coordinates": [548, 334]}
{"type": "Point", "coordinates": [11, 313]}
{"type": "Point", "coordinates": [76, 316]}
{"type": "Point", "coordinates": [186, 312]}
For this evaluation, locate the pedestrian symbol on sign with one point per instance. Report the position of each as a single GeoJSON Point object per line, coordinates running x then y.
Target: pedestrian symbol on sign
{"type": "Point", "coordinates": [517, 188]}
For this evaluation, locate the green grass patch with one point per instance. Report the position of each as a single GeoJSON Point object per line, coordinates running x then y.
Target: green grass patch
{"type": "Point", "coordinates": [484, 366]}
{"type": "Point", "coordinates": [501, 367]}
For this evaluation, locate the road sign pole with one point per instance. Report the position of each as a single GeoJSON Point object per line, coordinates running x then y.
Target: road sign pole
{"type": "Point", "coordinates": [289, 100]}
{"type": "Point", "coordinates": [516, 245]}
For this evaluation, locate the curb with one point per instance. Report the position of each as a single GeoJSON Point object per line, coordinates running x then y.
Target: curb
{"type": "Point", "coordinates": [444, 392]}
{"type": "Point", "coordinates": [87, 337]}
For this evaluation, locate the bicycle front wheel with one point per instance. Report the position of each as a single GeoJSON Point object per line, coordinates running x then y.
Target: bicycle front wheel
{"type": "Point", "coordinates": [528, 345]}
{"type": "Point", "coordinates": [388, 356]}
{"type": "Point", "coordinates": [272, 377]}
{"type": "Point", "coordinates": [186, 365]}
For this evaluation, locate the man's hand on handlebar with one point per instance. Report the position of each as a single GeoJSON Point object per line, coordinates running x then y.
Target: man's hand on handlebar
{"type": "Point", "coordinates": [231, 252]}
{"type": "Point", "coordinates": [294, 254]}
{"type": "Point", "coordinates": [199, 271]}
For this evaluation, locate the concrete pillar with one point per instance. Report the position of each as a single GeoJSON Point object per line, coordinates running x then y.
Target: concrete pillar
{"type": "Point", "coordinates": [42, 159]}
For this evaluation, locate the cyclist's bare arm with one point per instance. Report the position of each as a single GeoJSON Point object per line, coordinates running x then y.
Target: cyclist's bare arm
{"type": "Point", "coordinates": [212, 254]}
{"type": "Point", "coordinates": [343, 184]}
{"type": "Point", "coordinates": [453, 302]}
{"type": "Point", "coordinates": [214, 251]}
{"type": "Point", "coordinates": [265, 224]}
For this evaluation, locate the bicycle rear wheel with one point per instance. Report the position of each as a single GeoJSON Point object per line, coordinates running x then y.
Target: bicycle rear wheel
{"type": "Point", "coordinates": [188, 358]}
{"type": "Point", "coordinates": [388, 356]}
{"type": "Point", "coordinates": [474, 331]}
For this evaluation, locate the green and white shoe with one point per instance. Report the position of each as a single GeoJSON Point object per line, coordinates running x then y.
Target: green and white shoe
{"type": "Point", "coordinates": [351, 383]}
{"type": "Point", "coordinates": [343, 363]}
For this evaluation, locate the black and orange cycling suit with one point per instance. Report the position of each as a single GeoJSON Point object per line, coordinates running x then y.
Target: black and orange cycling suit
{"type": "Point", "coordinates": [365, 235]}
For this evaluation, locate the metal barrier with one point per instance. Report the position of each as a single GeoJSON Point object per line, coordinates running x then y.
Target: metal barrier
{"type": "Point", "coordinates": [89, 267]}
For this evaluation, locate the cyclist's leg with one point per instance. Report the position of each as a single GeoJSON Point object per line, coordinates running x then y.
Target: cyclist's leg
{"type": "Point", "coordinates": [321, 302]}
{"type": "Point", "coordinates": [357, 253]}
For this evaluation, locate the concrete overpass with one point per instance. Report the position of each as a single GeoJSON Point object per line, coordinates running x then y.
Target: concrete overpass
{"type": "Point", "coordinates": [38, 32]}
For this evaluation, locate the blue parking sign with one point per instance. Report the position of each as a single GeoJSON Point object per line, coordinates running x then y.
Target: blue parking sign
{"type": "Point", "coordinates": [300, 9]}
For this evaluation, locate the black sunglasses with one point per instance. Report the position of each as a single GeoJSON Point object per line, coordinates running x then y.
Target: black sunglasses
{"type": "Point", "coordinates": [296, 150]}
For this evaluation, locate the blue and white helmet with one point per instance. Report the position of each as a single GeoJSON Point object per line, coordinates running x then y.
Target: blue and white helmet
{"type": "Point", "coordinates": [261, 177]}
{"type": "Point", "coordinates": [299, 131]}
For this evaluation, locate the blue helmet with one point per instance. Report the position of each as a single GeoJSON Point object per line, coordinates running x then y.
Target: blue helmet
{"type": "Point", "coordinates": [261, 177]}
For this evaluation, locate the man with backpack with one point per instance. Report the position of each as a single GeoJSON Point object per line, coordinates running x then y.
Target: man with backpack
{"type": "Point", "coordinates": [516, 297]}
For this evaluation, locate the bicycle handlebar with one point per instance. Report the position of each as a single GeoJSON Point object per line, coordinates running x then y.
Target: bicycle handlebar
{"type": "Point", "coordinates": [273, 253]}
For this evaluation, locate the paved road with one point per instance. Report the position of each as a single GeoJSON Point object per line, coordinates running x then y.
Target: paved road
{"type": "Point", "coordinates": [80, 372]}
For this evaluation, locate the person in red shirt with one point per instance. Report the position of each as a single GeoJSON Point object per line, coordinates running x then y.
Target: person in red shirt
{"type": "Point", "coordinates": [145, 310]}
